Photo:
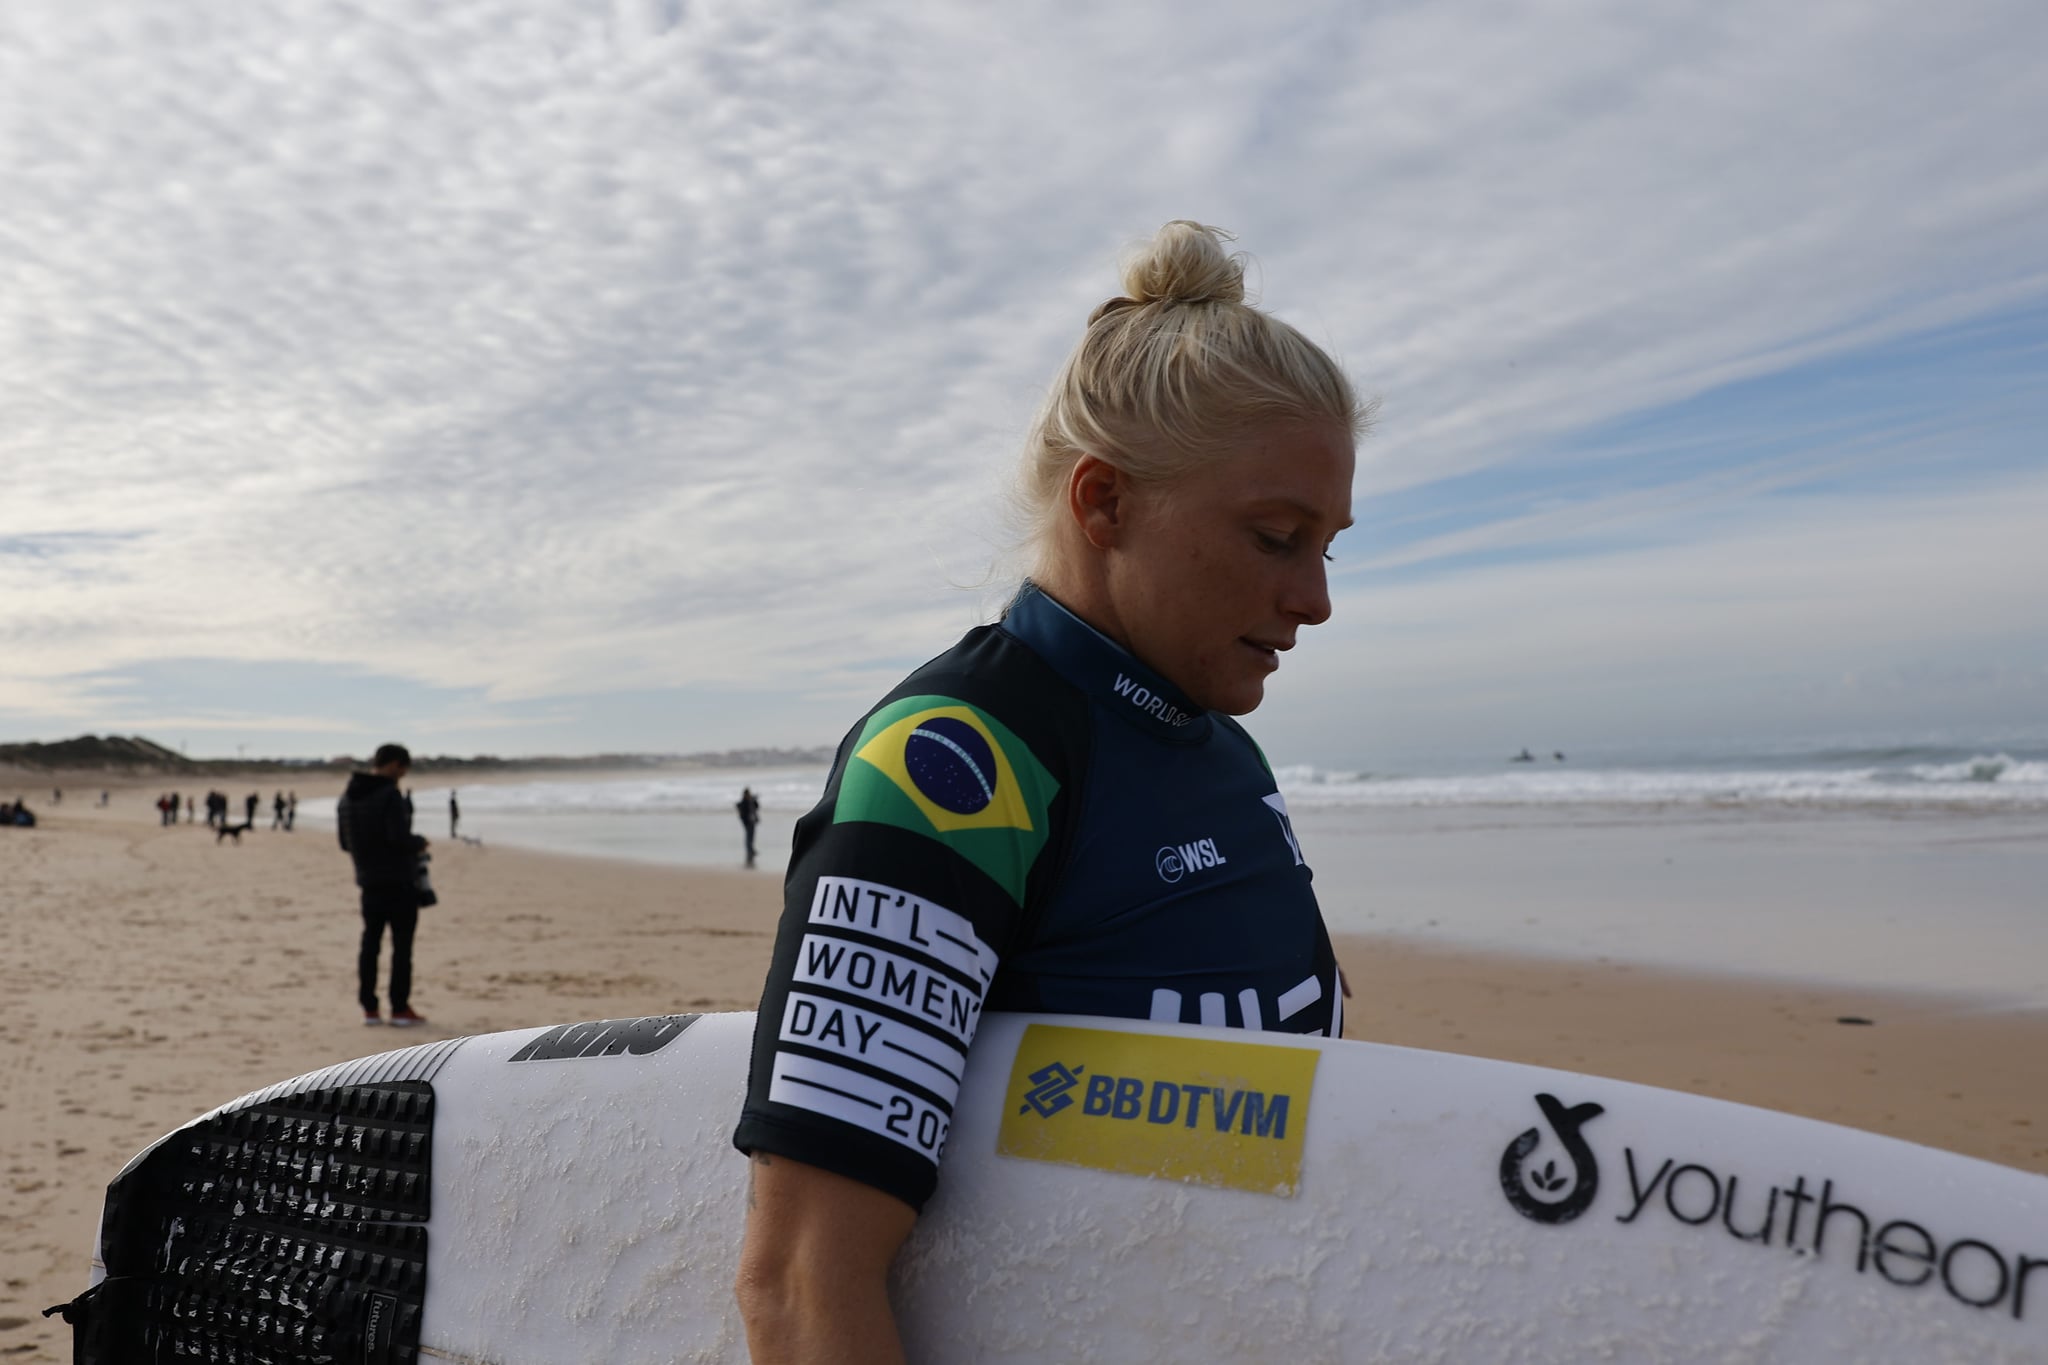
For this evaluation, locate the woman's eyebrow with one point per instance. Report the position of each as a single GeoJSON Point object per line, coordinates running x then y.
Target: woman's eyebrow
{"type": "Point", "coordinates": [1307, 512]}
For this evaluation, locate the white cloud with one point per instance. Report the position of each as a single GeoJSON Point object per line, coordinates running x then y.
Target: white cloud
{"type": "Point", "coordinates": [551, 351]}
{"type": "Point", "coordinates": [1838, 613]}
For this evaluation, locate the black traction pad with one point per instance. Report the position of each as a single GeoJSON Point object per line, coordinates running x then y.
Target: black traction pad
{"type": "Point", "coordinates": [289, 1228]}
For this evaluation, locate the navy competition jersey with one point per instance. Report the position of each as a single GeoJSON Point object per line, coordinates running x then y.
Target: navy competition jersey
{"type": "Point", "coordinates": [1036, 821]}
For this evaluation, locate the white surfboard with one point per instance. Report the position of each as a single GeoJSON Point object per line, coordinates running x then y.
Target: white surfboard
{"type": "Point", "coordinates": [1113, 1191]}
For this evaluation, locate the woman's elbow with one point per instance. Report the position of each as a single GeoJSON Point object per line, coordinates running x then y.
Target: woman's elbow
{"type": "Point", "coordinates": [766, 1285]}
{"type": "Point", "coordinates": [813, 1270]}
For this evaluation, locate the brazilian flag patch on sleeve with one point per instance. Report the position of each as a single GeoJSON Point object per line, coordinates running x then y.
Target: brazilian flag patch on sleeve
{"type": "Point", "coordinates": [951, 772]}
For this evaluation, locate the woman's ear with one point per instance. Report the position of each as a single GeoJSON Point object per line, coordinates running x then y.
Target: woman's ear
{"type": "Point", "coordinates": [1097, 493]}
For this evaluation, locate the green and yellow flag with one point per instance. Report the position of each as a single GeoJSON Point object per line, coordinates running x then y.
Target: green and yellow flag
{"type": "Point", "coordinates": [952, 772]}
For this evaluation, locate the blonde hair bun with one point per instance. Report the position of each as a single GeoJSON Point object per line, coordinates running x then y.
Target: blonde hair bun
{"type": "Point", "coordinates": [1169, 377]}
{"type": "Point", "coordinates": [1185, 262]}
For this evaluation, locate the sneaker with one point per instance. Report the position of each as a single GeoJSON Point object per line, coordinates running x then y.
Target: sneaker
{"type": "Point", "coordinates": [405, 1019]}
{"type": "Point", "coordinates": [371, 1017]}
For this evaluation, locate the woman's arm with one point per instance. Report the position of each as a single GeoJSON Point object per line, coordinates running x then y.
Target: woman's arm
{"type": "Point", "coordinates": [813, 1282]}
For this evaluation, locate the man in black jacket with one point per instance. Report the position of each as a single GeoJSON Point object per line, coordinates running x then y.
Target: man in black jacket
{"type": "Point", "coordinates": [374, 822]}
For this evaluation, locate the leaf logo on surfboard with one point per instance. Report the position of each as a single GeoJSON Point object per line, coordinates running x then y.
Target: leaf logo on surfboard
{"type": "Point", "coordinates": [1516, 1180]}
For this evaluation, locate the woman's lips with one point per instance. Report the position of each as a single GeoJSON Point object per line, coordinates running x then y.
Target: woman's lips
{"type": "Point", "coordinates": [1269, 654]}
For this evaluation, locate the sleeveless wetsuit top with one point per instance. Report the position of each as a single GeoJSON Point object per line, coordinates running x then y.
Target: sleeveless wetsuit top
{"type": "Point", "coordinates": [1034, 820]}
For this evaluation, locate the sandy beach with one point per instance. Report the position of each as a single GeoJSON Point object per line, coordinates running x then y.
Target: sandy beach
{"type": "Point", "coordinates": [152, 973]}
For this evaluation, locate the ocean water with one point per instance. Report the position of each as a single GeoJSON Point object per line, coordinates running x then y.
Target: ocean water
{"type": "Point", "coordinates": [1901, 866]}
{"type": "Point", "coordinates": [688, 817]}
{"type": "Point", "coordinates": [685, 818]}
{"type": "Point", "coordinates": [1981, 777]}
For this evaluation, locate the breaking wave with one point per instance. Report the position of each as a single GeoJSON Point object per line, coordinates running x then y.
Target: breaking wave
{"type": "Point", "coordinates": [1991, 780]}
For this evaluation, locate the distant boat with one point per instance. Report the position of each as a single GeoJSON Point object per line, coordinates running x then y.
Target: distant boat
{"type": "Point", "coordinates": [1523, 757]}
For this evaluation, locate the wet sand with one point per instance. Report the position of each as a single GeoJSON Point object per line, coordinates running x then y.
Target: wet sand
{"type": "Point", "coordinates": [152, 973]}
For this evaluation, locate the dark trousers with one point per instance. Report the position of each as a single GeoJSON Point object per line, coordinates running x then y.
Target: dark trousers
{"type": "Point", "coordinates": [397, 906]}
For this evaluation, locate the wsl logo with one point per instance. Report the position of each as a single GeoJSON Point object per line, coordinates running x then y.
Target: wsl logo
{"type": "Point", "coordinates": [1177, 860]}
{"type": "Point", "coordinates": [1518, 1182]}
{"type": "Point", "coordinates": [1049, 1086]}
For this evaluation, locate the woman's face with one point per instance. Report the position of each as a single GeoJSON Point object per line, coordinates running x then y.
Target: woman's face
{"type": "Point", "coordinates": [1214, 575]}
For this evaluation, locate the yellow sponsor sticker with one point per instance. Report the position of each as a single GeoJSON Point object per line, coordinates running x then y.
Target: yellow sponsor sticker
{"type": "Point", "coordinates": [1206, 1111]}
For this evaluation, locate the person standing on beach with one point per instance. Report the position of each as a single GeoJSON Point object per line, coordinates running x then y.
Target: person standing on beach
{"type": "Point", "coordinates": [373, 821]}
{"type": "Point", "coordinates": [1062, 808]}
{"type": "Point", "coordinates": [750, 816]}
{"type": "Point", "coordinates": [277, 811]}
{"type": "Point", "coordinates": [454, 814]}
{"type": "Point", "coordinates": [291, 810]}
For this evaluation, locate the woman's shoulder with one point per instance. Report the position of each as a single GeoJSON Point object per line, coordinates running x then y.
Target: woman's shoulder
{"type": "Point", "coordinates": [1234, 728]}
{"type": "Point", "coordinates": [996, 673]}
{"type": "Point", "coordinates": [979, 750]}
{"type": "Point", "coordinates": [990, 692]}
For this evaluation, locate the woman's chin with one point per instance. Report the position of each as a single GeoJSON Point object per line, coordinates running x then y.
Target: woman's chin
{"type": "Point", "coordinates": [1239, 698]}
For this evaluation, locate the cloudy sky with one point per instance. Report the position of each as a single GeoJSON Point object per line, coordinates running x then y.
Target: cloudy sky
{"type": "Point", "coordinates": [573, 376]}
